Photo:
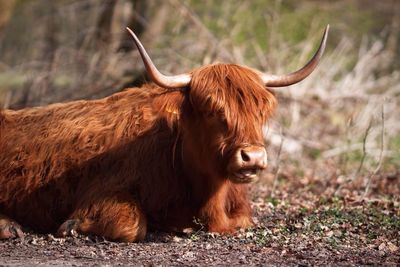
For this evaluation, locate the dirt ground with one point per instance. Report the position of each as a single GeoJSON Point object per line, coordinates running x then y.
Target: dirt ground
{"type": "Point", "coordinates": [167, 250]}
{"type": "Point", "coordinates": [298, 225]}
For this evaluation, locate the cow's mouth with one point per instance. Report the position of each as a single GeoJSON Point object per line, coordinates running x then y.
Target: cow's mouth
{"type": "Point", "coordinates": [247, 175]}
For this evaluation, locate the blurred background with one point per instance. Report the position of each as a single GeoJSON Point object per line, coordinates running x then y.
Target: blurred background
{"type": "Point", "coordinates": [340, 128]}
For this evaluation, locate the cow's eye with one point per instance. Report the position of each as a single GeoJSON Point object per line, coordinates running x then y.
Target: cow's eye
{"type": "Point", "coordinates": [223, 120]}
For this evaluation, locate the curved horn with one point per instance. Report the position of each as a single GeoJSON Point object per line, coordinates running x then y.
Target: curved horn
{"type": "Point", "coordinates": [176, 81]}
{"type": "Point", "coordinates": [297, 76]}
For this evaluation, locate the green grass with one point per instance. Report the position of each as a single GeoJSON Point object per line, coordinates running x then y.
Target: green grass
{"type": "Point", "coordinates": [312, 153]}
{"type": "Point", "coordinates": [394, 160]}
{"type": "Point", "coordinates": [273, 201]}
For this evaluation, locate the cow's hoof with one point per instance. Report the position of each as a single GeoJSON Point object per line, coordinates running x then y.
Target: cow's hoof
{"type": "Point", "coordinates": [69, 228]}
{"type": "Point", "coordinates": [10, 229]}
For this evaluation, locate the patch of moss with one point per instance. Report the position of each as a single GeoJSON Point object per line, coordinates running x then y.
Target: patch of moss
{"type": "Point", "coordinates": [272, 200]}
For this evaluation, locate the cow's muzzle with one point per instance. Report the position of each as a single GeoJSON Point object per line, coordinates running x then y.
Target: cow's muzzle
{"type": "Point", "coordinates": [246, 163]}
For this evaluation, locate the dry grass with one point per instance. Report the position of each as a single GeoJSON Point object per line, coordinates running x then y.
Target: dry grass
{"type": "Point", "coordinates": [350, 117]}
{"type": "Point", "coordinates": [346, 113]}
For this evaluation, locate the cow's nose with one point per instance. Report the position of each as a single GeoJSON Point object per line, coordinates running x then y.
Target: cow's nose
{"type": "Point", "coordinates": [253, 157]}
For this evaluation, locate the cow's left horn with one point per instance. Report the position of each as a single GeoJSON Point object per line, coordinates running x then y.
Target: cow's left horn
{"type": "Point", "coordinates": [176, 81]}
{"type": "Point", "coordinates": [297, 76]}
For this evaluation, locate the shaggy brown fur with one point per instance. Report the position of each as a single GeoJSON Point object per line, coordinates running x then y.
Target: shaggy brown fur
{"type": "Point", "coordinates": [144, 157]}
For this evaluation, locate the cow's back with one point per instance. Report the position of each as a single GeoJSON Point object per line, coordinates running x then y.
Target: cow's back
{"type": "Point", "coordinates": [42, 151]}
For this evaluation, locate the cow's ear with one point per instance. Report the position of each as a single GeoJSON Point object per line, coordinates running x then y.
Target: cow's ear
{"type": "Point", "coordinates": [2, 119]}
{"type": "Point", "coordinates": [169, 105]}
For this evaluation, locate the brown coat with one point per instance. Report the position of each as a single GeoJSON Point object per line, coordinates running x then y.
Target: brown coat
{"type": "Point", "coordinates": [142, 157]}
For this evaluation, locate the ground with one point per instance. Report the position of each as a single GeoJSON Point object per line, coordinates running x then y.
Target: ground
{"type": "Point", "coordinates": [331, 195]}
{"type": "Point", "coordinates": [302, 223]}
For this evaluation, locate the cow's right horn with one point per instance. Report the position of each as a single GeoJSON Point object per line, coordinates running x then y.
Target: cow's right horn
{"type": "Point", "coordinates": [297, 76]}
{"type": "Point", "coordinates": [177, 81]}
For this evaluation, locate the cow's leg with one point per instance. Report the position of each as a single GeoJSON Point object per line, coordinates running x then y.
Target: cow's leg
{"type": "Point", "coordinates": [241, 218]}
{"type": "Point", "coordinates": [228, 209]}
{"type": "Point", "coordinates": [240, 210]}
{"type": "Point", "coordinates": [117, 217]}
{"type": "Point", "coordinates": [9, 228]}
{"type": "Point", "coordinates": [213, 213]}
